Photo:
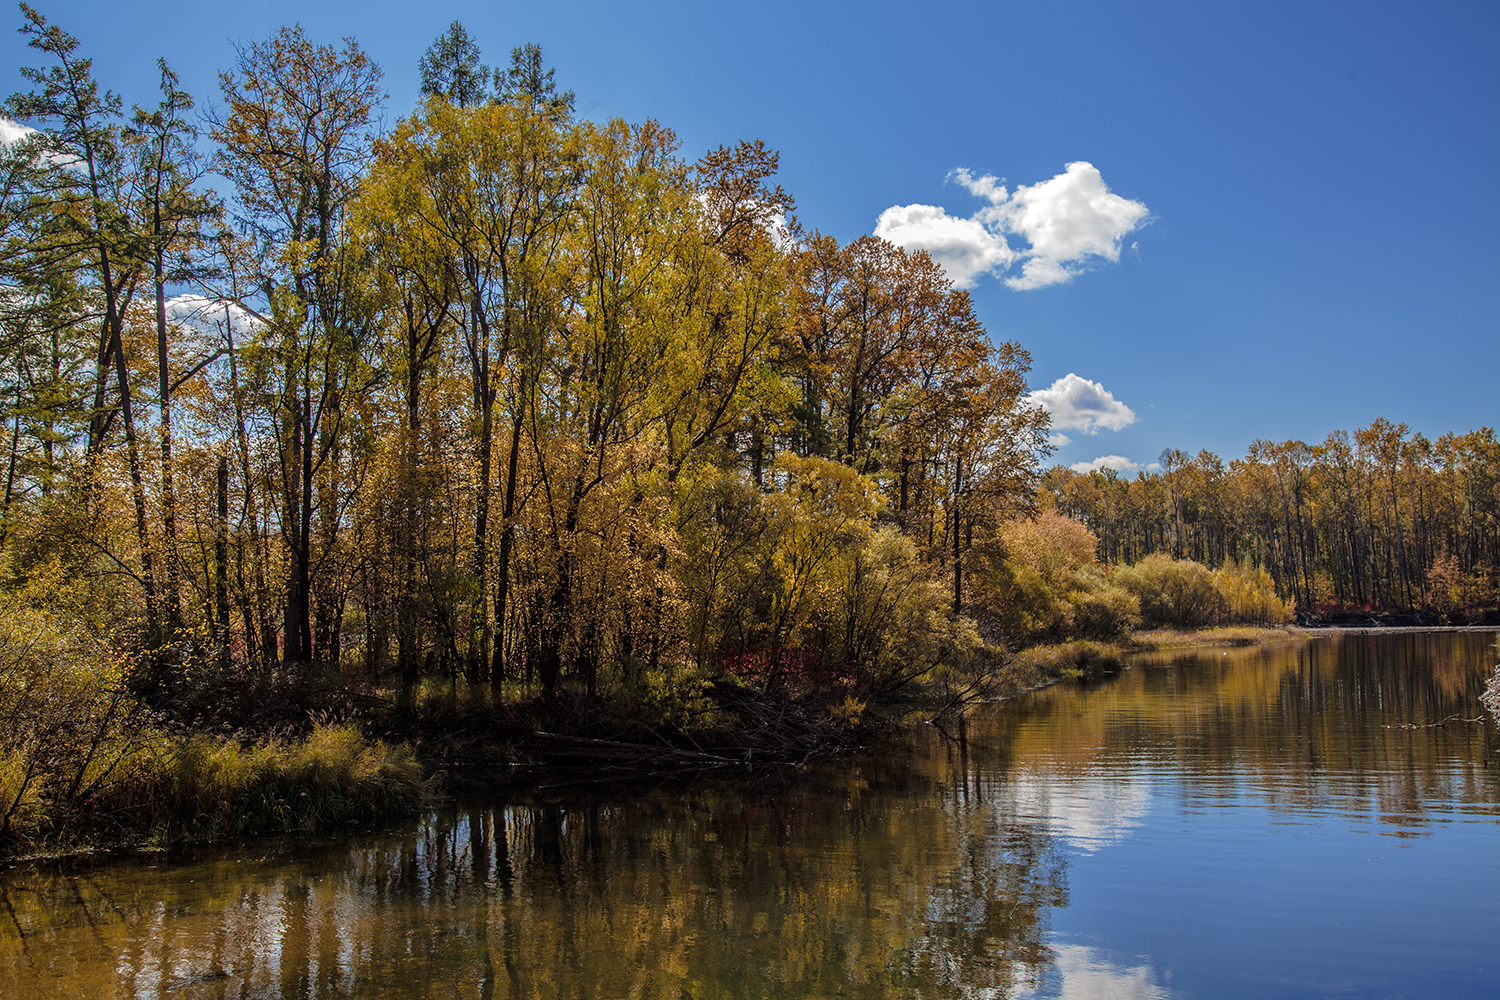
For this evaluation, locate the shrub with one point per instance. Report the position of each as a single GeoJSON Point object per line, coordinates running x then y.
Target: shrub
{"type": "Point", "coordinates": [895, 621]}
{"type": "Point", "coordinates": [1175, 592]}
{"type": "Point", "coordinates": [1249, 595]}
{"type": "Point", "coordinates": [67, 725]}
{"type": "Point", "coordinates": [1078, 658]}
{"type": "Point", "coordinates": [1023, 577]}
{"type": "Point", "coordinates": [1052, 545]}
{"type": "Point", "coordinates": [77, 749]}
{"type": "Point", "coordinates": [1105, 613]}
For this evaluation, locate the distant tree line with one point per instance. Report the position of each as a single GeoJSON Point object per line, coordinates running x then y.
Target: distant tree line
{"type": "Point", "coordinates": [1381, 519]}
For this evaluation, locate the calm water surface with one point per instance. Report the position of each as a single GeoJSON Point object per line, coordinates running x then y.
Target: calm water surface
{"type": "Point", "coordinates": [1261, 823]}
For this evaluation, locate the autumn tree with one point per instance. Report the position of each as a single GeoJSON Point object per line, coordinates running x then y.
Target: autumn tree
{"type": "Point", "coordinates": [93, 195]}
{"type": "Point", "coordinates": [172, 221]}
{"type": "Point", "coordinates": [294, 139]}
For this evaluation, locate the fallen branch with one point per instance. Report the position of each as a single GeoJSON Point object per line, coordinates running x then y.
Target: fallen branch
{"type": "Point", "coordinates": [1434, 725]}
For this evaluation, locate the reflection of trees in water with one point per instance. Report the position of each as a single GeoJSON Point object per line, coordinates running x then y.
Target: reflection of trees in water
{"type": "Point", "coordinates": [872, 884]}
{"type": "Point", "coordinates": [1341, 723]}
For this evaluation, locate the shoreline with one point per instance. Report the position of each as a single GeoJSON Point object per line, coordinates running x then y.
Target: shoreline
{"type": "Point", "coordinates": [1393, 629]}
{"type": "Point", "coordinates": [498, 750]}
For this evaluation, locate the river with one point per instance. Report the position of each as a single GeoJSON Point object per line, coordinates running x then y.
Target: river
{"type": "Point", "coordinates": [1315, 819]}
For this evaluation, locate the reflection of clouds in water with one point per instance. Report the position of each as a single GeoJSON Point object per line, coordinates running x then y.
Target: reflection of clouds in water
{"type": "Point", "coordinates": [1088, 811]}
{"type": "Point", "coordinates": [1083, 973]}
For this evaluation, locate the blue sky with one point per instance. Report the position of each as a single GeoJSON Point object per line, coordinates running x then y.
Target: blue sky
{"type": "Point", "coordinates": [1318, 240]}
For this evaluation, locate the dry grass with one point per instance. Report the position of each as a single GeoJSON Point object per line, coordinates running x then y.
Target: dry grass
{"type": "Point", "coordinates": [203, 787]}
{"type": "Point", "coordinates": [1081, 658]}
{"type": "Point", "coordinates": [1223, 635]}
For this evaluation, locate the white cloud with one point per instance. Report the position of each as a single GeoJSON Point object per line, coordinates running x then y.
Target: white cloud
{"type": "Point", "coordinates": [13, 132]}
{"type": "Point", "coordinates": [1083, 972]}
{"type": "Point", "coordinates": [1058, 439]}
{"type": "Point", "coordinates": [207, 319]}
{"type": "Point", "coordinates": [1070, 222]}
{"type": "Point", "coordinates": [1073, 216]}
{"type": "Point", "coordinates": [1082, 405]}
{"type": "Point", "coordinates": [963, 247]}
{"type": "Point", "coordinates": [986, 186]}
{"type": "Point", "coordinates": [1117, 462]}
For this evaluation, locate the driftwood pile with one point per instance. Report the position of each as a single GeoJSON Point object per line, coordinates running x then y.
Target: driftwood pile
{"type": "Point", "coordinates": [1491, 697]}
{"type": "Point", "coordinates": [769, 729]}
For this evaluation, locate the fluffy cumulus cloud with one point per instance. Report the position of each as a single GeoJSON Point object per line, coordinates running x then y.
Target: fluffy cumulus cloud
{"type": "Point", "coordinates": [1079, 404]}
{"type": "Point", "coordinates": [1069, 223]}
{"type": "Point", "coordinates": [12, 133]}
{"type": "Point", "coordinates": [206, 320]}
{"type": "Point", "coordinates": [1117, 462]}
{"type": "Point", "coordinates": [964, 248]}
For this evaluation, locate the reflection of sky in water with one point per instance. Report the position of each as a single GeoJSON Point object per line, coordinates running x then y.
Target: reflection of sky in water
{"type": "Point", "coordinates": [1230, 824]}
{"type": "Point", "coordinates": [1086, 973]}
{"type": "Point", "coordinates": [1182, 832]}
{"type": "Point", "coordinates": [1086, 811]}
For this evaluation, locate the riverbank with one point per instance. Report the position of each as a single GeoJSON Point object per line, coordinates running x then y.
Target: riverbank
{"type": "Point", "coordinates": [1217, 636]}
{"type": "Point", "coordinates": [280, 762]}
{"type": "Point", "coordinates": [154, 789]}
{"type": "Point", "coordinates": [270, 773]}
{"type": "Point", "coordinates": [1082, 657]}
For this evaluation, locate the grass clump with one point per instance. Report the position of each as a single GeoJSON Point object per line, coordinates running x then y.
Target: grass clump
{"type": "Point", "coordinates": [203, 787]}
{"type": "Point", "coordinates": [1226, 635]}
{"type": "Point", "coordinates": [84, 762]}
{"type": "Point", "coordinates": [1080, 658]}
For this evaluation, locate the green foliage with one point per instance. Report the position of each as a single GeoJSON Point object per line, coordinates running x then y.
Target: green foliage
{"type": "Point", "coordinates": [1249, 595]}
{"type": "Point", "coordinates": [672, 696]}
{"type": "Point", "coordinates": [451, 68]}
{"type": "Point", "coordinates": [68, 728]}
{"type": "Point", "coordinates": [1176, 592]}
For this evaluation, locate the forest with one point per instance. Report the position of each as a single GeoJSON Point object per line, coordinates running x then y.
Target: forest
{"type": "Point", "coordinates": [1382, 521]}
{"type": "Point", "coordinates": [309, 420]}
{"type": "Point", "coordinates": [497, 394]}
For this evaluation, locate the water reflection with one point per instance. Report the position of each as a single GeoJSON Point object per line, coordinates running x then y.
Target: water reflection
{"type": "Point", "coordinates": [1351, 726]}
{"type": "Point", "coordinates": [867, 886]}
{"type": "Point", "coordinates": [934, 873]}
{"type": "Point", "coordinates": [1088, 811]}
{"type": "Point", "coordinates": [1081, 972]}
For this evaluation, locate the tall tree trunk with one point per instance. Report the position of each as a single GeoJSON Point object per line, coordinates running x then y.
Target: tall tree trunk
{"type": "Point", "coordinates": [138, 492]}
{"type": "Point", "coordinates": [484, 402]}
{"type": "Point", "coordinates": [172, 594]}
{"type": "Point", "coordinates": [499, 667]}
{"type": "Point", "coordinates": [262, 636]}
{"type": "Point", "coordinates": [10, 472]}
{"type": "Point", "coordinates": [221, 563]}
{"type": "Point", "coordinates": [958, 554]}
